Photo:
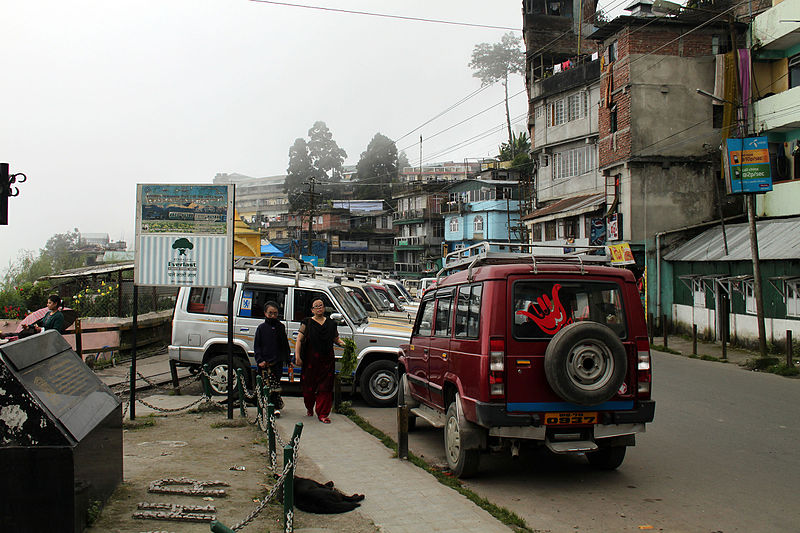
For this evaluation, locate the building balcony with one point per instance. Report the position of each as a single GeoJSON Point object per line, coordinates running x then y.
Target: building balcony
{"type": "Point", "coordinates": [778, 112]}
{"type": "Point", "coordinates": [414, 241]}
{"type": "Point", "coordinates": [777, 28]}
{"type": "Point", "coordinates": [402, 268]}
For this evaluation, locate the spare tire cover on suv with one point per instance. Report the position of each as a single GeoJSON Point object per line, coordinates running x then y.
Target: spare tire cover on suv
{"type": "Point", "coordinates": [585, 363]}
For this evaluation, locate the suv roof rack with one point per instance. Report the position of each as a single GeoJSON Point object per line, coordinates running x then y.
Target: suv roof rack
{"type": "Point", "coordinates": [483, 253]}
{"type": "Point", "coordinates": [273, 265]}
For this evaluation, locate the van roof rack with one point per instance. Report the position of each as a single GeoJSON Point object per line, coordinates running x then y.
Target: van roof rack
{"type": "Point", "coordinates": [484, 253]}
{"type": "Point", "coordinates": [273, 265]}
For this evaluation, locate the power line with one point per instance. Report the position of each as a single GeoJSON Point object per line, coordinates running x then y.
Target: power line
{"type": "Point", "coordinates": [385, 15]}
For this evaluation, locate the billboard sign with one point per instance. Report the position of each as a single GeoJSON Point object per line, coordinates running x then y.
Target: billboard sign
{"type": "Point", "coordinates": [184, 235]}
{"type": "Point", "coordinates": [747, 167]}
{"type": "Point", "coordinates": [621, 254]}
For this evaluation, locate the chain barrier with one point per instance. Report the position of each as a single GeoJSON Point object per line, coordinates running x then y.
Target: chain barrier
{"type": "Point", "coordinates": [175, 409]}
{"type": "Point", "coordinates": [286, 468]}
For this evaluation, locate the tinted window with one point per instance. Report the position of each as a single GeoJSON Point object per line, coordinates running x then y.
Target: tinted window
{"type": "Point", "coordinates": [542, 308]}
{"type": "Point", "coordinates": [302, 303]}
{"type": "Point", "coordinates": [254, 298]}
{"type": "Point", "coordinates": [443, 306]}
{"type": "Point", "coordinates": [208, 301]}
{"type": "Point", "coordinates": [468, 311]}
{"type": "Point", "coordinates": [425, 319]}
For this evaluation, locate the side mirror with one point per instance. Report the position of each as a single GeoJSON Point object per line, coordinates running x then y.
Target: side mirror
{"type": "Point", "coordinates": [391, 306]}
{"type": "Point", "coordinates": [338, 318]}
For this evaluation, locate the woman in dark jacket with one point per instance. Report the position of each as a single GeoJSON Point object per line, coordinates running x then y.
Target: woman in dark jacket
{"type": "Point", "coordinates": [271, 348]}
{"type": "Point", "coordinates": [314, 353]}
{"type": "Point", "coordinates": [54, 319]}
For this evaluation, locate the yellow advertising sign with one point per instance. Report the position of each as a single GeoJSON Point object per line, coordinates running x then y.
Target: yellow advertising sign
{"type": "Point", "coordinates": [621, 254]}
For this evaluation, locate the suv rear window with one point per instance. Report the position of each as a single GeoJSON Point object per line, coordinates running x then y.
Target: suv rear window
{"type": "Point", "coordinates": [208, 301]}
{"type": "Point", "coordinates": [542, 308]}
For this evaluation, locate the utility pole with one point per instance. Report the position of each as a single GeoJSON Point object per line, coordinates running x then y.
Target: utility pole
{"type": "Point", "coordinates": [310, 210]}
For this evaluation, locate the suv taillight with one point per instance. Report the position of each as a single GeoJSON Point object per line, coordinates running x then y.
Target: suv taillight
{"type": "Point", "coordinates": [643, 373]}
{"type": "Point", "coordinates": [497, 365]}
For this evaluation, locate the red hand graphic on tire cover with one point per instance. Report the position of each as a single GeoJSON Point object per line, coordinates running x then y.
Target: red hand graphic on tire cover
{"type": "Point", "coordinates": [549, 315]}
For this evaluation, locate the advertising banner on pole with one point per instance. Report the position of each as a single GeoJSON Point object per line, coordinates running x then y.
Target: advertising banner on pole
{"type": "Point", "coordinates": [747, 167]}
{"type": "Point", "coordinates": [184, 235]}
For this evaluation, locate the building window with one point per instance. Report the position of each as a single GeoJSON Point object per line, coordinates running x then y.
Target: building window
{"type": "Point", "coordinates": [612, 120]}
{"type": "Point", "coordinates": [716, 116]}
{"type": "Point", "coordinates": [568, 228]}
{"type": "Point", "coordinates": [573, 162]}
{"type": "Point", "coordinates": [794, 71]}
{"type": "Point", "coordinates": [792, 299]}
{"type": "Point", "coordinates": [749, 298]}
{"type": "Point", "coordinates": [612, 52]}
{"type": "Point", "coordinates": [698, 294]}
{"type": "Point", "coordinates": [550, 230]}
{"type": "Point", "coordinates": [536, 233]}
{"type": "Point", "coordinates": [454, 224]}
{"type": "Point", "coordinates": [478, 224]}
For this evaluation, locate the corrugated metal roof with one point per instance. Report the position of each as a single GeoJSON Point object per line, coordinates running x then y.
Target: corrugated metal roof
{"type": "Point", "coordinates": [91, 270]}
{"type": "Point", "coordinates": [777, 239]}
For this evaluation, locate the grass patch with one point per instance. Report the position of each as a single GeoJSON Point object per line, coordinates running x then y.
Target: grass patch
{"type": "Point", "coordinates": [709, 358]}
{"type": "Point", "coordinates": [139, 423]}
{"type": "Point", "coordinates": [444, 477]}
{"type": "Point", "coordinates": [761, 363]}
{"type": "Point", "coordinates": [660, 348]}
{"type": "Point", "coordinates": [783, 370]}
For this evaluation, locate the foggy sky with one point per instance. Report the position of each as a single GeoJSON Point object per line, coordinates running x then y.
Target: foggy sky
{"type": "Point", "coordinates": [98, 96]}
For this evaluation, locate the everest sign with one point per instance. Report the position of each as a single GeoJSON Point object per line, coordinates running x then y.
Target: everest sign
{"type": "Point", "coordinates": [747, 165]}
{"type": "Point", "coordinates": [184, 235]}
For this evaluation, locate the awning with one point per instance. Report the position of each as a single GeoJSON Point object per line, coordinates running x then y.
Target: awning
{"type": "Point", "coordinates": [572, 206]}
{"type": "Point", "coordinates": [91, 271]}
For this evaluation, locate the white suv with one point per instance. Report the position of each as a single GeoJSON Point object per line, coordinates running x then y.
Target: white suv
{"type": "Point", "coordinates": [200, 328]}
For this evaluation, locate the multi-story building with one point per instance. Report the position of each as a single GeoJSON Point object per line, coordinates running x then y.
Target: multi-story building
{"type": "Point", "coordinates": [258, 200]}
{"type": "Point", "coordinates": [419, 228]}
{"type": "Point", "coordinates": [369, 241]}
{"type": "Point", "coordinates": [447, 171]}
{"type": "Point", "coordinates": [484, 207]}
{"type": "Point", "coordinates": [775, 36]}
{"type": "Point", "coordinates": [569, 199]}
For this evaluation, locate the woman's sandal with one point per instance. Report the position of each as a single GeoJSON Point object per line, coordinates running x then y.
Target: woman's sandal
{"type": "Point", "coordinates": [309, 412]}
{"type": "Point", "coordinates": [325, 420]}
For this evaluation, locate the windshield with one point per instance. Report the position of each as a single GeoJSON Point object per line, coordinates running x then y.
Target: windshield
{"type": "Point", "coordinates": [380, 299]}
{"type": "Point", "coordinates": [356, 301]}
{"type": "Point", "coordinates": [403, 290]}
{"type": "Point", "coordinates": [354, 313]}
{"type": "Point", "coordinates": [383, 290]}
{"type": "Point", "coordinates": [359, 295]}
{"type": "Point", "coordinates": [395, 291]}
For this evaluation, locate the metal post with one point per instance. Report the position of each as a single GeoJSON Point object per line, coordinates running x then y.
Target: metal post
{"type": "Point", "coordinates": [4, 193]}
{"type": "Point", "coordinates": [78, 338]}
{"type": "Point", "coordinates": [173, 370]}
{"type": "Point", "coordinates": [288, 490]}
{"type": "Point", "coordinates": [650, 327]}
{"type": "Point", "coordinates": [240, 387]}
{"type": "Point", "coordinates": [694, 339]}
{"type": "Point", "coordinates": [402, 431]}
{"type": "Point", "coordinates": [218, 527]}
{"type": "Point", "coordinates": [132, 405]}
{"type": "Point", "coordinates": [231, 293]}
{"type": "Point", "coordinates": [205, 380]}
{"type": "Point", "coordinates": [337, 392]}
{"type": "Point", "coordinates": [789, 348]}
{"type": "Point", "coordinates": [664, 328]}
{"type": "Point", "coordinates": [298, 430]}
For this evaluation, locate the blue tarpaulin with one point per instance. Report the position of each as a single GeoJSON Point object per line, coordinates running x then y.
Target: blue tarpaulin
{"type": "Point", "coordinates": [271, 249]}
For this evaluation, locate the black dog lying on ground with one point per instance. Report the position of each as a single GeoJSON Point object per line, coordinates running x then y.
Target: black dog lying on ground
{"type": "Point", "coordinates": [314, 497]}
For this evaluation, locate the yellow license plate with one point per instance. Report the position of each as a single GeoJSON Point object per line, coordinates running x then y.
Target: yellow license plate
{"type": "Point", "coordinates": [570, 419]}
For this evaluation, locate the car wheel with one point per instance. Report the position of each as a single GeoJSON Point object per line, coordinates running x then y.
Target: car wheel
{"type": "Point", "coordinates": [379, 384]}
{"type": "Point", "coordinates": [607, 458]}
{"type": "Point", "coordinates": [218, 373]}
{"type": "Point", "coordinates": [404, 398]}
{"type": "Point", "coordinates": [462, 461]}
{"type": "Point", "coordinates": [585, 363]}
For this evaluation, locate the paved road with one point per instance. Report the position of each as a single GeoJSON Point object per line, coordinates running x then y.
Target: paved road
{"type": "Point", "coordinates": [721, 456]}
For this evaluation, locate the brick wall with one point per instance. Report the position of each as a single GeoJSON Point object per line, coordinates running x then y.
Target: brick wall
{"type": "Point", "coordinates": [634, 41]}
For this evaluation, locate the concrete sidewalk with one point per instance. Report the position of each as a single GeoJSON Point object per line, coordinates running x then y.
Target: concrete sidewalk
{"type": "Point", "coordinates": [400, 497]}
{"type": "Point", "coordinates": [684, 346]}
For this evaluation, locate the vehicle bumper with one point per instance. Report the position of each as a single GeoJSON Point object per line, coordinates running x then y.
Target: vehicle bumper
{"type": "Point", "coordinates": [495, 415]}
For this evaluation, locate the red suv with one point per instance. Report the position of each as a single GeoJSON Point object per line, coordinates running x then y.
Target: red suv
{"type": "Point", "coordinates": [520, 349]}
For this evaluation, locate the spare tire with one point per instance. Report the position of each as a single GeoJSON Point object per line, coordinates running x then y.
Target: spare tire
{"type": "Point", "coordinates": [585, 363]}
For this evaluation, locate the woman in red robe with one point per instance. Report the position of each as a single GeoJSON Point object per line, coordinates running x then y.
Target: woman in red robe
{"type": "Point", "coordinates": [314, 354]}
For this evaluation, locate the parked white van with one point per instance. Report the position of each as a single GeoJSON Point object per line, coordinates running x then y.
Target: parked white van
{"type": "Point", "coordinates": [200, 328]}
